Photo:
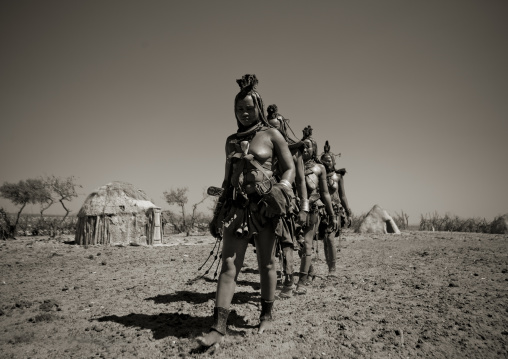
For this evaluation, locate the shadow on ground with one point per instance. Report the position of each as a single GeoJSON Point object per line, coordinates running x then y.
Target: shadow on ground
{"type": "Point", "coordinates": [175, 324]}
{"type": "Point", "coordinates": [199, 298]}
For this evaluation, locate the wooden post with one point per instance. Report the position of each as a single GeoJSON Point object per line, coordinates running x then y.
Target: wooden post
{"type": "Point", "coordinates": [108, 237]}
{"type": "Point", "coordinates": [149, 227]}
{"type": "Point", "coordinates": [87, 230]}
{"type": "Point", "coordinates": [156, 226]}
{"type": "Point", "coordinates": [76, 236]}
{"type": "Point", "coordinates": [96, 232]}
{"type": "Point", "coordinates": [101, 232]}
{"type": "Point", "coordinates": [104, 217]}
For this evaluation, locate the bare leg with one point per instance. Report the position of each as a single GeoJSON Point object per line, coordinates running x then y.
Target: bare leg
{"type": "Point", "coordinates": [265, 250]}
{"type": "Point", "coordinates": [326, 248]}
{"type": "Point", "coordinates": [287, 289]}
{"type": "Point", "coordinates": [233, 254]}
{"type": "Point", "coordinates": [288, 264]}
{"type": "Point", "coordinates": [307, 256]}
{"type": "Point", "coordinates": [331, 253]}
{"type": "Point", "coordinates": [306, 259]}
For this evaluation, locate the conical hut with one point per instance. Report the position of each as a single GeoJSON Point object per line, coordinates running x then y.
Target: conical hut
{"type": "Point", "coordinates": [378, 220]}
{"type": "Point", "coordinates": [118, 213]}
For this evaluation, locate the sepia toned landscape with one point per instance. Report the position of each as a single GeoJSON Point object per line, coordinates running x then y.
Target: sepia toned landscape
{"type": "Point", "coordinates": [417, 294]}
{"type": "Point", "coordinates": [134, 132]}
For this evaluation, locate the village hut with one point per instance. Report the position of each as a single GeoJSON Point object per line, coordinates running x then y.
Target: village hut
{"type": "Point", "coordinates": [118, 214]}
{"type": "Point", "coordinates": [378, 220]}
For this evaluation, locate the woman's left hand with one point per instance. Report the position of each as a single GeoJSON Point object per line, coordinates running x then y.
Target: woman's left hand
{"type": "Point", "coordinates": [335, 223]}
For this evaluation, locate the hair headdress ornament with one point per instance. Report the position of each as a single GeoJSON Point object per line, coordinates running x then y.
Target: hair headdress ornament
{"type": "Point", "coordinates": [284, 128]}
{"type": "Point", "coordinates": [247, 83]}
{"type": "Point", "coordinates": [327, 151]}
{"type": "Point", "coordinates": [307, 132]}
{"type": "Point", "coordinates": [327, 147]}
{"type": "Point", "coordinates": [307, 135]}
{"type": "Point", "coordinates": [272, 111]}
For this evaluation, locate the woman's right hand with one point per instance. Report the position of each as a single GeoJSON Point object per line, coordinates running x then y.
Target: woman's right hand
{"type": "Point", "coordinates": [302, 218]}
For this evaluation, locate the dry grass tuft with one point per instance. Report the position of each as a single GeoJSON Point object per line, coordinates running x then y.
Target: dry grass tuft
{"type": "Point", "coordinates": [22, 338]}
{"type": "Point", "coordinates": [43, 318]}
{"type": "Point", "coordinates": [453, 223]}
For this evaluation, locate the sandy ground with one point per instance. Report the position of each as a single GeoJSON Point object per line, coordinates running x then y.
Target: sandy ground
{"type": "Point", "coordinates": [419, 294]}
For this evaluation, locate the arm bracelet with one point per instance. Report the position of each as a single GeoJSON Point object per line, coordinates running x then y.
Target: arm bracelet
{"type": "Point", "coordinates": [286, 183]}
{"type": "Point", "coordinates": [305, 205]}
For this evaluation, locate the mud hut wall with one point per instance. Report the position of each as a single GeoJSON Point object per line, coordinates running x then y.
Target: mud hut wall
{"type": "Point", "coordinates": [92, 230]}
{"type": "Point", "coordinates": [77, 236]}
{"type": "Point", "coordinates": [128, 228]}
{"type": "Point", "coordinates": [116, 229]}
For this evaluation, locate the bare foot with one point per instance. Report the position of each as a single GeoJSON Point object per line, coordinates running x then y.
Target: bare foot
{"type": "Point", "coordinates": [332, 274]}
{"type": "Point", "coordinates": [211, 338]}
{"type": "Point", "coordinates": [301, 289]}
{"type": "Point", "coordinates": [286, 292]}
{"type": "Point", "coordinates": [264, 325]}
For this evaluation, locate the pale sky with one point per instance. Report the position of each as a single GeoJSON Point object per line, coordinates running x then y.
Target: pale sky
{"type": "Point", "coordinates": [414, 94]}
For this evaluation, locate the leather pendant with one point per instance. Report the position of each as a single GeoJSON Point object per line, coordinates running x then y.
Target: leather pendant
{"type": "Point", "coordinates": [244, 145]}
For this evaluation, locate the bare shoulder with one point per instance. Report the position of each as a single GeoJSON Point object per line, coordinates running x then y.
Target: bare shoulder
{"type": "Point", "coordinates": [275, 135]}
{"type": "Point", "coordinates": [230, 137]}
{"type": "Point", "coordinates": [271, 131]}
{"type": "Point", "coordinates": [230, 142]}
{"type": "Point", "coordinates": [321, 168]}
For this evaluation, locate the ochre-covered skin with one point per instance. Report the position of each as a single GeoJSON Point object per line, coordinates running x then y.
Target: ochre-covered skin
{"type": "Point", "coordinates": [288, 245]}
{"type": "Point", "coordinates": [254, 141]}
{"type": "Point", "coordinates": [317, 190]}
{"type": "Point", "coordinates": [335, 184]}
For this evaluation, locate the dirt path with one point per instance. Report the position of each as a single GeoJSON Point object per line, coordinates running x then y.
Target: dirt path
{"type": "Point", "coordinates": [420, 294]}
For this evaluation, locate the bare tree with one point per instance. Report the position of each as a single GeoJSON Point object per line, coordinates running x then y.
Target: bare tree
{"type": "Point", "coordinates": [58, 189]}
{"type": "Point", "coordinates": [195, 216]}
{"type": "Point", "coordinates": [22, 193]}
{"type": "Point", "coordinates": [45, 199]}
{"type": "Point", "coordinates": [63, 189]}
{"type": "Point", "coordinates": [402, 220]}
{"type": "Point", "coordinates": [179, 198]}
{"type": "Point", "coordinates": [171, 218]}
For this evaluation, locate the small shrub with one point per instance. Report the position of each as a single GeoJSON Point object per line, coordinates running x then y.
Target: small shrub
{"type": "Point", "coordinates": [22, 338]}
{"type": "Point", "coordinates": [43, 317]}
{"type": "Point", "coordinates": [401, 220]}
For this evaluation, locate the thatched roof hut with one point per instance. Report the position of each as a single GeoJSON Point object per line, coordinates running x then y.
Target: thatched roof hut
{"type": "Point", "coordinates": [118, 213]}
{"type": "Point", "coordinates": [378, 220]}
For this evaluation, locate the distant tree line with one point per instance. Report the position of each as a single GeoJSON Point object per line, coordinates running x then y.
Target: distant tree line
{"type": "Point", "coordinates": [43, 191]}
{"type": "Point", "coordinates": [33, 225]}
{"type": "Point", "coordinates": [437, 222]}
{"type": "Point", "coordinates": [453, 223]}
{"type": "Point", "coordinates": [49, 190]}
